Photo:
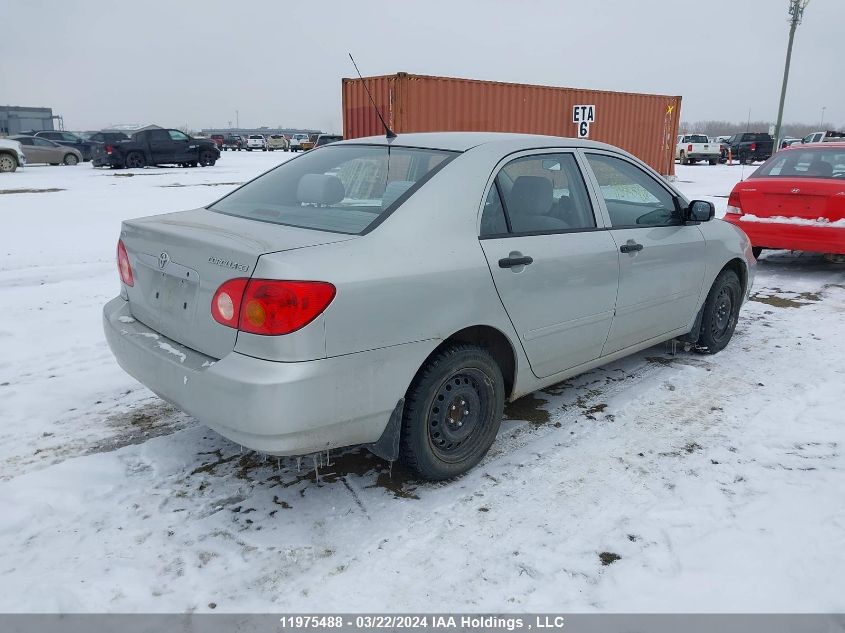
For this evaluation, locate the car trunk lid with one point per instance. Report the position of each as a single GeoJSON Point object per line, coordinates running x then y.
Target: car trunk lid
{"type": "Point", "coordinates": [180, 259]}
{"type": "Point", "coordinates": [804, 198]}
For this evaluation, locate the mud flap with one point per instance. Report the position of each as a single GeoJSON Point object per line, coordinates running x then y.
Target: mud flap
{"type": "Point", "coordinates": [695, 332]}
{"type": "Point", "coordinates": [387, 446]}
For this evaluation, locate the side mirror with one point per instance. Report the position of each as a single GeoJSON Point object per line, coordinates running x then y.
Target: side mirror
{"type": "Point", "coordinates": [700, 211]}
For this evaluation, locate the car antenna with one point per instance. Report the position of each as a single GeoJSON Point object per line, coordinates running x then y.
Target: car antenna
{"type": "Point", "coordinates": [387, 131]}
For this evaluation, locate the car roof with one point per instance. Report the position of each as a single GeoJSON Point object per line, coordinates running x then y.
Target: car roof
{"type": "Point", "coordinates": [463, 141]}
{"type": "Point", "coordinates": [828, 144]}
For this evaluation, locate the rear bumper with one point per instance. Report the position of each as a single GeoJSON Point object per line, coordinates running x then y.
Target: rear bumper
{"type": "Point", "coordinates": [106, 161]}
{"type": "Point", "coordinates": [793, 237]}
{"type": "Point", "coordinates": [273, 407]}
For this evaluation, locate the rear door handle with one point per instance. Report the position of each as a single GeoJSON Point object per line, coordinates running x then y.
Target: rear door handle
{"type": "Point", "coordinates": [510, 262]}
{"type": "Point", "coordinates": [630, 247]}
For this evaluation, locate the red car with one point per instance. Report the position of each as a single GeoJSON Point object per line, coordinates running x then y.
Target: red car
{"type": "Point", "coordinates": [794, 201]}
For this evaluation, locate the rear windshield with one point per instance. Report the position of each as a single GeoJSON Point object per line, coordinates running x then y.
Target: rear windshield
{"type": "Point", "coordinates": [794, 163]}
{"type": "Point", "coordinates": [341, 188]}
{"type": "Point", "coordinates": [255, 136]}
{"type": "Point", "coordinates": [696, 138]}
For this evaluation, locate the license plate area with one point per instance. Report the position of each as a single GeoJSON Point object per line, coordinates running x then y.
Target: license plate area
{"type": "Point", "coordinates": [172, 289]}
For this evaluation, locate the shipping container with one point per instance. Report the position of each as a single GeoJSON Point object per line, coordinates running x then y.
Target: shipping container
{"type": "Point", "coordinates": [643, 124]}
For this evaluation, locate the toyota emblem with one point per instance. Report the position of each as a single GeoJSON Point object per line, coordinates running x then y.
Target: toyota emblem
{"type": "Point", "coordinates": [162, 260]}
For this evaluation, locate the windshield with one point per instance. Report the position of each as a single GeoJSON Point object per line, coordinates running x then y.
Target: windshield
{"type": "Point", "coordinates": [819, 163]}
{"type": "Point", "coordinates": [342, 188]}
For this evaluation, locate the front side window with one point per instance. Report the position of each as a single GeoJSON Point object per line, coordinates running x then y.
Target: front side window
{"type": "Point", "coordinates": [633, 198]}
{"type": "Point", "coordinates": [176, 135]}
{"type": "Point", "coordinates": [70, 138]}
{"type": "Point", "coordinates": [42, 142]}
{"type": "Point", "coordinates": [341, 188]}
{"type": "Point", "coordinates": [543, 193]}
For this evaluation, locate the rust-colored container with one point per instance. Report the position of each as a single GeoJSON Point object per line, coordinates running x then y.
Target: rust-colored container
{"type": "Point", "coordinates": [644, 124]}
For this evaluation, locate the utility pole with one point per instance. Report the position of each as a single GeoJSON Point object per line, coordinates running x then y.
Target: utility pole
{"type": "Point", "coordinates": [796, 11]}
{"type": "Point", "coordinates": [821, 121]}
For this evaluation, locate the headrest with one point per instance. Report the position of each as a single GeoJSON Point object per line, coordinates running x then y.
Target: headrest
{"type": "Point", "coordinates": [320, 189]}
{"type": "Point", "coordinates": [531, 195]}
{"type": "Point", "coordinates": [820, 168]}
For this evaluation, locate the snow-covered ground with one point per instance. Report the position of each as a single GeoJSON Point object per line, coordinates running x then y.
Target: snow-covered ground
{"type": "Point", "coordinates": [659, 483]}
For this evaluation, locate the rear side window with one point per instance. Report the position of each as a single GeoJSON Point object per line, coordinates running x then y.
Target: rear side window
{"type": "Point", "coordinates": [341, 188]}
{"type": "Point", "coordinates": [538, 194]}
{"type": "Point", "coordinates": [633, 197]}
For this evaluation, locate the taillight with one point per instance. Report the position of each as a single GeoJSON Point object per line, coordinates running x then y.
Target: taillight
{"type": "Point", "coordinates": [753, 147]}
{"type": "Point", "coordinates": [270, 307]}
{"type": "Point", "coordinates": [689, 147]}
{"type": "Point", "coordinates": [734, 207]}
{"type": "Point", "coordinates": [123, 266]}
{"type": "Point", "coordinates": [109, 149]}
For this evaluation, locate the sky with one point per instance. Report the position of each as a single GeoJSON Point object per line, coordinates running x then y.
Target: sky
{"type": "Point", "coordinates": [280, 63]}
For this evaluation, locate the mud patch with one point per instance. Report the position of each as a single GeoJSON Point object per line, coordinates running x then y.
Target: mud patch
{"type": "Point", "coordinates": [797, 300]}
{"type": "Point", "coordinates": [608, 558]}
{"type": "Point", "coordinates": [48, 190]}
{"type": "Point", "coordinates": [528, 408]}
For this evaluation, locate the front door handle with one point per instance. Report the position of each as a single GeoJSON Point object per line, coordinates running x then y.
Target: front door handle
{"type": "Point", "coordinates": [630, 247]}
{"type": "Point", "coordinates": [510, 262]}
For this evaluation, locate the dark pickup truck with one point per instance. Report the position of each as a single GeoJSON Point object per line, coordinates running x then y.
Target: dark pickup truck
{"type": "Point", "coordinates": [749, 147]}
{"type": "Point", "coordinates": [156, 147]}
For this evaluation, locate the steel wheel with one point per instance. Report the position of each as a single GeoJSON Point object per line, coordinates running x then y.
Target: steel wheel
{"type": "Point", "coordinates": [207, 159]}
{"type": "Point", "coordinates": [7, 163]}
{"type": "Point", "coordinates": [464, 402]}
{"type": "Point", "coordinates": [721, 310]}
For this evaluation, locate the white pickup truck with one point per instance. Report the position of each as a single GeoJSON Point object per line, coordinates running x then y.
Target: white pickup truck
{"type": "Point", "coordinates": [692, 148]}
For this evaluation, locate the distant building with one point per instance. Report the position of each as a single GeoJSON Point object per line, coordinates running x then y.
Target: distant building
{"type": "Point", "coordinates": [17, 119]}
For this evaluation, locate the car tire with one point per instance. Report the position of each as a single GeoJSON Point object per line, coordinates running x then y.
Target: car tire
{"type": "Point", "coordinates": [713, 161]}
{"type": "Point", "coordinates": [135, 160]}
{"type": "Point", "coordinates": [8, 163]}
{"type": "Point", "coordinates": [207, 159]}
{"type": "Point", "coordinates": [452, 412]}
{"type": "Point", "coordinates": [70, 159]}
{"type": "Point", "coordinates": [721, 310]}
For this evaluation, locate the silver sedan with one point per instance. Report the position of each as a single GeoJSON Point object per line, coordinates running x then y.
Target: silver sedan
{"type": "Point", "coordinates": [396, 292]}
{"type": "Point", "coordinates": [42, 150]}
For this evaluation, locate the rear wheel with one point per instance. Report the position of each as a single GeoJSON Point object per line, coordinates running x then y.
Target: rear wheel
{"type": "Point", "coordinates": [8, 163]}
{"type": "Point", "coordinates": [713, 161]}
{"type": "Point", "coordinates": [721, 311]}
{"type": "Point", "coordinates": [71, 159]}
{"type": "Point", "coordinates": [207, 159]}
{"type": "Point", "coordinates": [452, 412]}
{"type": "Point", "coordinates": [135, 160]}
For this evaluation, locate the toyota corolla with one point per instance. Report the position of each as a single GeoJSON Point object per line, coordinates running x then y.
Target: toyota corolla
{"type": "Point", "coordinates": [395, 292]}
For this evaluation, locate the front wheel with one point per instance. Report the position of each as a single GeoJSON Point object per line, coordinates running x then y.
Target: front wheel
{"type": "Point", "coordinates": [8, 163]}
{"type": "Point", "coordinates": [452, 413]}
{"type": "Point", "coordinates": [721, 310]}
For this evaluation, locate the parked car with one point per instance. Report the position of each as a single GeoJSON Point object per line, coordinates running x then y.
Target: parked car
{"type": "Point", "coordinates": [359, 348]}
{"type": "Point", "coordinates": [308, 143]}
{"type": "Point", "coordinates": [296, 141]}
{"type": "Point", "coordinates": [256, 141]}
{"type": "Point", "coordinates": [786, 141]}
{"type": "Point", "coordinates": [218, 139]}
{"type": "Point", "coordinates": [68, 139]}
{"type": "Point", "coordinates": [42, 150]}
{"type": "Point", "coordinates": [11, 155]}
{"type": "Point", "coordinates": [107, 137]}
{"type": "Point", "coordinates": [157, 147]}
{"type": "Point", "coordinates": [277, 141]}
{"type": "Point", "coordinates": [326, 139]}
{"type": "Point", "coordinates": [691, 148]}
{"type": "Point", "coordinates": [234, 142]}
{"type": "Point", "coordinates": [749, 147]}
{"type": "Point", "coordinates": [794, 201]}
{"type": "Point", "coordinates": [824, 137]}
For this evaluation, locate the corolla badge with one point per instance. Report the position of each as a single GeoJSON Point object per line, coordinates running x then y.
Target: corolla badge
{"type": "Point", "coordinates": [228, 263]}
{"type": "Point", "coordinates": [163, 260]}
